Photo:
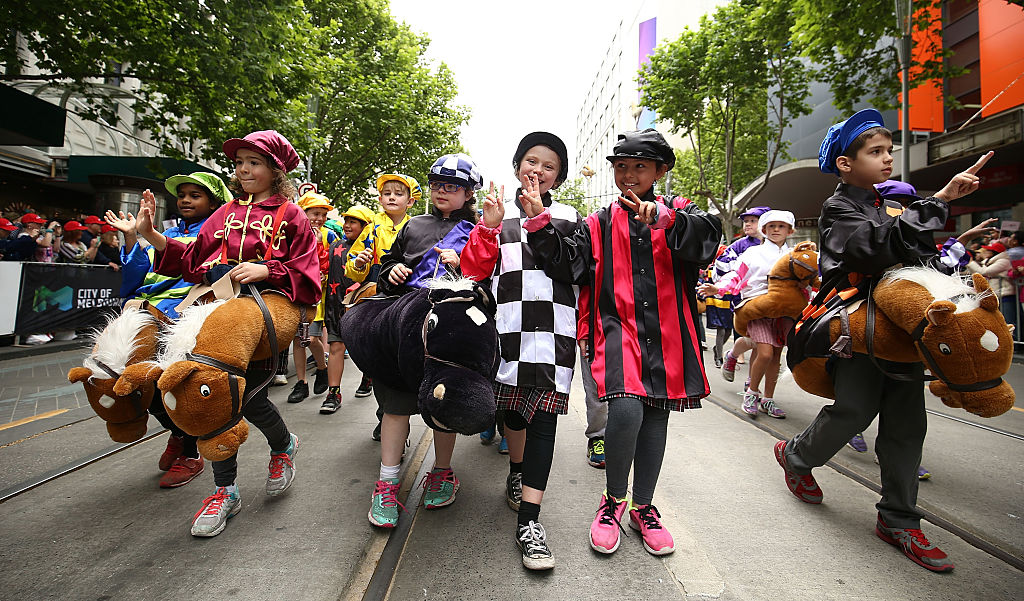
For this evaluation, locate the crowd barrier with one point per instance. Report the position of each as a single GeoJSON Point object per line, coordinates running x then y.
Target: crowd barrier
{"type": "Point", "coordinates": [50, 297]}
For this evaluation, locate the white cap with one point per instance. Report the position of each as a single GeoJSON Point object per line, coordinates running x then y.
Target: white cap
{"type": "Point", "coordinates": [773, 215]}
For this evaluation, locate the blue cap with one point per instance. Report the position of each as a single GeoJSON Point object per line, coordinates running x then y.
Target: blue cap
{"type": "Point", "coordinates": [896, 189]}
{"type": "Point", "coordinates": [841, 135]}
{"type": "Point", "coordinates": [754, 212]}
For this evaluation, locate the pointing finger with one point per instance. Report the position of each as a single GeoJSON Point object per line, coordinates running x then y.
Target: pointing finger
{"type": "Point", "coordinates": [981, 163]}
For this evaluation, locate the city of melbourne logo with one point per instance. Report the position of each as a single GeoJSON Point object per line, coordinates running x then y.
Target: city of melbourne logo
{"type": "Point", "coordinates": [44, 298]}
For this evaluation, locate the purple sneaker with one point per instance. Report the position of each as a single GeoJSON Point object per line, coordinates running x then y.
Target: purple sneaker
{"type": "Point", "coordinates": [751, 400]}
{"type": "Point", "coordinates": [857, 443]}
{"type": "Point", "coordinates": [768, 406]}
{"type": "Point", "coordinates": [729, 367]}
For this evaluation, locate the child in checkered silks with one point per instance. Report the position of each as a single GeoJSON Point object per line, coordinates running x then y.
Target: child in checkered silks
{"type": "Point", "coordinates": [536, 329]}
{"type": "Point", "coordinates": [641, 259]}
{"type": "Point", "coordinates": [427, 247]}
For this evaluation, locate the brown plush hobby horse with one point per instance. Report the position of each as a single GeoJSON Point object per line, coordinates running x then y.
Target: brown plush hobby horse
{"type": "Point", "coordinates": [788, 280]}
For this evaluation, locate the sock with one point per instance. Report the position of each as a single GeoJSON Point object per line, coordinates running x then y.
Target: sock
{"type": "Point", "coordinates": [232, 489]}
{"type": "Point", "coordinates": [515, 467]}
{"type": "Point", "coordinates": [334, 389]}
{"type": "Point", "coordinates": [389, 472]}
{"type": "Point", "coordinates": [528, 512]}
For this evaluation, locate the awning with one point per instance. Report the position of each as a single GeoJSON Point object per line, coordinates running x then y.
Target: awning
{"type": "Point", "coordinates": [29, 121]}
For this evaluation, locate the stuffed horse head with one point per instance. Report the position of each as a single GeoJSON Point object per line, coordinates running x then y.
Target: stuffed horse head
{"type": "Point", "coordinates": [128, 339]}
{"type": "Point", "coordinates": [460, 344]}
{"type": "Point", "coordinates": [789, 279]}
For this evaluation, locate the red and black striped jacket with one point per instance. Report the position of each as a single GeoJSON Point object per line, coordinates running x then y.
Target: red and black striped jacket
{"type": "Point", "coordinates": [642, 309]}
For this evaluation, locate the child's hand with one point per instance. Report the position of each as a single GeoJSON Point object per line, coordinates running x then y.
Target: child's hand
{"type": "Point", "coordinates": [448, 256]}
{"type": "Point", "coordinates": [398, 274]}
{"type": "Point", "coordinates": [707, 290]}
{"type": "Point", "coordinates": [965, 182]}
{"type": "Point", "coordinates": [494, 207]}
{"type": "Point", "coordinates": [646, 211]}
{"type": "Point", "coordinates": [124, 222]}
{"type": "Point", "coordinates": [147, 209]}
{"type": "Point", "coordinates": [977, 231]}
{"type": "Point", "coordinates": [247, 273]}
{"type": "Point", "coordinates": [530, 197]}
{"type": "Point", "coordinates": [364, 257]}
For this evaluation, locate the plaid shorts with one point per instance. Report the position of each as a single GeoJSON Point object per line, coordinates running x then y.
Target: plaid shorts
{"type": "Point", "coordinates": [658, 403]}
{"type": "Point", "coordinates": [770, 330]}
{"type": "Point", "coordinates": [527, 401]}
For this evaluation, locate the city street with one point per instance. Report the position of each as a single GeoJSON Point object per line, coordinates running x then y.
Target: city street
{"type": "Point", "coordinates": [106, 531]}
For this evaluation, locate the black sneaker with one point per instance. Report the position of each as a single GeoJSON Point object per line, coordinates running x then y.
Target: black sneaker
{"type": "Point", "coordinates": [376, 433]}
{"type": "Point", "coordinates": [514, 490]}
{"type": "Point", "coordinates": [299, 393]}
{"type": "Point", "coordinates": [365, 389]}
{"type": "Point", "coordinates": [311, 360]}
{"type": "Point", "coordinates": [331, 404]}
{"type": "Point", "coordinates": [532, 542]}
{"type": "Point", "coordinates": [320, 381]}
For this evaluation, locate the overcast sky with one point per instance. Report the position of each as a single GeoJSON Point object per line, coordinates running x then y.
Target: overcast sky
{"type": "Point", "coordinates": [520, 67]}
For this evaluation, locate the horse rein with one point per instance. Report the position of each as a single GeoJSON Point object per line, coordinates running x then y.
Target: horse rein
{"type": "Point", "coordinates": [813, 271]}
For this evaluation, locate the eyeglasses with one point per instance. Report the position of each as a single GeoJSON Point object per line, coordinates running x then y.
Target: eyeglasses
{"type": "Point", "coordinates": [447, 187]}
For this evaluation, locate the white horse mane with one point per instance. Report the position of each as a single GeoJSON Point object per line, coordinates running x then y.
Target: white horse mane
{"type": "Point", "coordinates": [180, 338]}
{"type": "Point", "coordinates": [114, 344]}
{"type": "Point", "coordinates": [941, 286]}
{"type": "Point", "coordinates": [448, 282]}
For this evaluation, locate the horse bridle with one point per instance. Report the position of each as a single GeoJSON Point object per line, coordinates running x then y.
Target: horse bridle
{"type": "Point", "coordinates": [135, 396]}
{"type": "Point", "coordinates": [812, 271]}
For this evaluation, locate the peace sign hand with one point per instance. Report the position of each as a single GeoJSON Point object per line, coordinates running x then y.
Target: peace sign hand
{"type": "Point", "coordinates": [646, 211]}
{"type": "Point", "coordinates": [494, 207]}
{"type": "Point", "coordinates": [530, 197]}
{"type": "Point", "coordinates": [965, 182]}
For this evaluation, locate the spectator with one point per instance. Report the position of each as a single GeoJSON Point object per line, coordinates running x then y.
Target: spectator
{"type": "Point", "coordinates": [93, 229]}
{"type": "Point", "coordinates": [1015, 246]}
{"type": "Point", "coordinates": [108, 252]}
{"type": "Point", "coordinates": [72, 249]}
{"type": "Point", "coordinates": [33, 242]}
{"type": "Point", "coordinates": [993, 262]}
{"type": "Point", "coordinates": [6, 227]}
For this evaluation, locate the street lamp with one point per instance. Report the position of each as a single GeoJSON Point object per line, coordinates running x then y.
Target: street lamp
{"type": "Point", "coordinates": [904, 22]}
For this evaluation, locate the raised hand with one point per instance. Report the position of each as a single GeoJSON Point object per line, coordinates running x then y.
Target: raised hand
{"type": "Point", "coordinates": [124, 222]}
{"type": "Point", "coordinates": [147, 211]}
{"type": "Point", "coordinates": [364, 257]}
{"type": "Point", "coordinates": [646, 211]}
{"type": "Point", "coordinates": [965, 182]}
{"type": "Point", "coordinates": [494, 207]}
{"type": "Point", "coordinates": [978, 231]}
{"type": "Point", "coordinates": [530, 196]}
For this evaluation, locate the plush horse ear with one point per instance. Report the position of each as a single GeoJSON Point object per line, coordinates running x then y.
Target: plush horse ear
{"type": "Point", "coordinates": [940, 312]}
{"type": "Point", "coordinates": [175, 374]}
{"type": "Point", "coordinates": [79, 374]}
{"type": "Point", "coordinates": [135, 376]}
{"type": "Point", "coordinates": [488, 299]}
{"type": "Point", "coordinates": [806, 245]}
{"type": "Point", "coordinates": [988, 302]}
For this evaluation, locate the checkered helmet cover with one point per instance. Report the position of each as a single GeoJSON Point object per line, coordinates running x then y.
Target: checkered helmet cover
{"type": "Point", "coordinates": [457, 168]}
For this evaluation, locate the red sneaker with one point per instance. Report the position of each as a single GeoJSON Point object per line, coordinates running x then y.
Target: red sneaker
{"type": "Point", "coordinates": [183, 471]}
{"type": "Point", "coordinates": [803, 486]}
{"type": "Point", "coordinates": [915, 546]}
{"type": "Point", "coordinates": [175, 446]}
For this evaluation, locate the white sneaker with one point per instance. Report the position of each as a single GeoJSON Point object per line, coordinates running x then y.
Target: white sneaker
{"type": "Point", "coordinates": [282, 468]}
{"type": "Point", "coordinates": [211, 519]}
{"type": "Point", "coordinates": [280, 380]}
{"type": "Point", "coordinates": [751, 401]}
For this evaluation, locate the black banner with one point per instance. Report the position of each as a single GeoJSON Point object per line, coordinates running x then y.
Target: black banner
{"type": "Point", "coordinates": [58, 296]}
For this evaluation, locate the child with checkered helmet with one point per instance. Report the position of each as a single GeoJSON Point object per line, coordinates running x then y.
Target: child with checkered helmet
{"type": "Point", "coordinates": [535, 374]}
{"type": "Point", "coordinates": [427, 246]}
{"type": "Point", "coordinates": [640, 258]}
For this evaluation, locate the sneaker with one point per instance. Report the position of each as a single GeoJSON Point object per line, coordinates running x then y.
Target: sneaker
{"type": "Point", "coordinates": [718, 356]}
{"type": "Point", "coordinates": [440, 486]}
{"type": "Point", "coordinates": [280, 380]}
{"type": "Point", "coordinates": [282, 468]}
{"type": "Point", "coordinates": [532, 542]}
{"type": "Point", "coordinates": [299, 392]}
{"type": "Point", "coordinates": [514, 490]}
{"type": "Point", "coordinates": [751, 401]}
{"type": "Point", "coordinates": [320, 381]}
{"type": "Point", "coordinates": [365, 388]}
{"type": "Point", "coordinates": [503, 446]}
{"type": "Point", "coordinates": [915, 546]}
{"type": "Point", "coordinates": [595, 452]}
{"type": "Point", "coordinates": [487, 436]}
{"type": "Point", "coordinates": [175, 446]}
{"type": "Point", "coordinates": [923, 473]}
{"type": "Point", "coordinates": [183, 471]}
{"type": "Point", "coordinates": [331, 404]}
{"type": "Point", "coordinates": [376, 433]}
{"type": "Point", "coordinates": [384, 503]}
{"type": "Point", "coordinates": [803, 486]}
{"type": "Point", "coordinates": [729, 367]}
{"type": "Point", "coordinates": [217, 508]}
{"type": "Point", "coordinates": [646, 520]}
{"type": "Point", "coordinates": [604, 530]}
{"type": "Point", "coordinates": [768, 406]}
{"type": "Point", "coordinates": [857, 443]}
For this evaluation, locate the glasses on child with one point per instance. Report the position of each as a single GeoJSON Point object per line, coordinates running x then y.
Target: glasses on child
{"type": "Point", "coordinates": [446, 186]}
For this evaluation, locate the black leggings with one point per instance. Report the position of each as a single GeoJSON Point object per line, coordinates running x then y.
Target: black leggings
{"type": "Point", "coordinates": [540, 445]}
{"type": "Point", "coordinates": [635, 437]}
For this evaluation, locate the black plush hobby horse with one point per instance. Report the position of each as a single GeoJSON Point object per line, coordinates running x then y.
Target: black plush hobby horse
{"type": "Point", "coordinates": [439, 342]}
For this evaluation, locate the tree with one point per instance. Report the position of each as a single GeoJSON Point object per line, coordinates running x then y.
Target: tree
{"type": "Point", "coordinates": [572, 193]}
{"type": "Point", "coordinates": [713, 84]}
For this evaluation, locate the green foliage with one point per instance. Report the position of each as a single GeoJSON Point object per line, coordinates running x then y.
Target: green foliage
{"type": "Point", "coordinates": [572, 193]}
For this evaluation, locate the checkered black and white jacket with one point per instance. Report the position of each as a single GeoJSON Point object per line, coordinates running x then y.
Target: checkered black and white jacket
{"type": "Point", "coordinates": [536, 317]}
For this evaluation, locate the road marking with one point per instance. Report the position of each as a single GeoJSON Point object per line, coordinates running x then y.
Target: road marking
{"type": "Point", "coordinates": [1017, 409]}
{"type": "Point", "coordinates": [26, 420]}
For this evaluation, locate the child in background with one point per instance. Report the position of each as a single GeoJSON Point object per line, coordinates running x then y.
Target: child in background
{"type": "Point", "coordinates": [355, 219]}
{"type": "Point", "coordinates": [865, 234]}
{"type": "Point", "coordinates": [235, 242]}
{"type": "Point", "coordinates": [427, 245]}
{"type": "Point", "coordinates": [398, 193]}
{"type": "Point", "coordinates": [316, 207]}
{"type": "Point", "coordinates": [640, 259]}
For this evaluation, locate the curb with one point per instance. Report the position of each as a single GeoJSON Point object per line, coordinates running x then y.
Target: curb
{"type": "Point", "coordinates": [19, 352]}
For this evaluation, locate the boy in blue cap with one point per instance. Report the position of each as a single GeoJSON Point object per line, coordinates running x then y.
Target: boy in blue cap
{"type": "Point", "coordinates": [862, 234]}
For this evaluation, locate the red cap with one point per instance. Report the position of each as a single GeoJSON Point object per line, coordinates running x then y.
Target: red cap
{"type": "Point", "coordinates": [996, 247]}
{"type": "Point", "coordinates": [94, 220]}
{"type": "Point", "coordinates": [107, 228]}
{"type": "Point", "coordinates": [74, 226]}
{"type": "Point", "coordinates": [268, 143]}
{"type": "Point", "coordinates": [5, 224]}
{"type": "Point", "coordinates": [32, 218]}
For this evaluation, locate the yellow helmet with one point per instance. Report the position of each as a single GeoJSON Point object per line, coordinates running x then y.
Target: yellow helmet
{"type": "Point", "coordinates": [415, 192]}
{"type": "Point", "coordinates": [312, 200]}
{"type": "Point", "coordinates": [359, 212]}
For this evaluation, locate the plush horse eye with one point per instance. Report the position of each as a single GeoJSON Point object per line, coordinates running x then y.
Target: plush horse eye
{"type": "Point", "coordinates": [204, 390]}
{"type": "Point", "coordinates": [944, 349]}
{"type": "Point", "coordinates": [431, 322]}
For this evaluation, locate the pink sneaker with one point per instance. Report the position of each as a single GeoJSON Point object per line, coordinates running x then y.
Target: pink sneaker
{"type": "Point", "coordinates": [647, 521]}
{"type": "Point", "coordinates": [604, 531]}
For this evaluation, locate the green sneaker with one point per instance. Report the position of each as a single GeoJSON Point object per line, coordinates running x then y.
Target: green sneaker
{"type": "Point", "coordinates": [440, 486]}
{"type": "Point", "coordinates": [384, 503]}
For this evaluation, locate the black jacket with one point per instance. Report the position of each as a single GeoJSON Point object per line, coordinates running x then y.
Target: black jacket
{"type": "Point", "coordinates": [417, 238]}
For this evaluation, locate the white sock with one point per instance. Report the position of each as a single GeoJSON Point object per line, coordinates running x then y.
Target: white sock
{"type": "Point", "coordinates": [389, 472]}
{"type": "Point", "coordinates": [232, 489]}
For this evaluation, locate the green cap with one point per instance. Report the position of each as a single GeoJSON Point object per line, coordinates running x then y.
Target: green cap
{"type": "Point", "coordinates": [210, 181]}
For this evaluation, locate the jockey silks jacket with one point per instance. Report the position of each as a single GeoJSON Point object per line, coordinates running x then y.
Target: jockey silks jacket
{"type": "Point", "coordinates": [414, 247]}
